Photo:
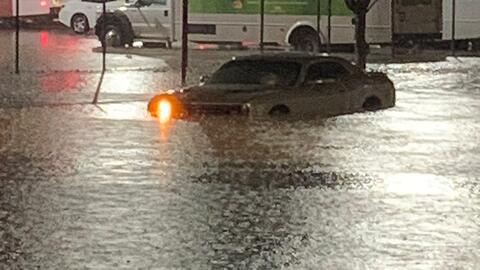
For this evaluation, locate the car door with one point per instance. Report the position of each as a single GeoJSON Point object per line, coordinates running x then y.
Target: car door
{"type": "Point", "coordinates": [155, 20]}
{"type": "Point", "coordinates": [323, 92]}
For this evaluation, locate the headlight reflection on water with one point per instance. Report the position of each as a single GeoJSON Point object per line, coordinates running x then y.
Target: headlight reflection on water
{"type": "Point", "coordinates": [419, 184]}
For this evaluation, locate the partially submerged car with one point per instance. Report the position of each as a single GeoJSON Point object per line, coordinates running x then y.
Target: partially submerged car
{"type": "Point", "coordinates": [279, 84]}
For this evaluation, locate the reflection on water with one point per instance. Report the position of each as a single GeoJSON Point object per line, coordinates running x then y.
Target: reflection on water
{"type": "Point", "coordinates": [68, 81]}
{"type": "Point", "coordinates": [111, 188]}
{"type": "Point", "coordinates": [418, 184]}
{"type": "Point", "coordinates": [121, 111]}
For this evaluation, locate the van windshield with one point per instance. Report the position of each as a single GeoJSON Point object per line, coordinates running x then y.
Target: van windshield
{"type": "Point", "coordinates": [261, 72]}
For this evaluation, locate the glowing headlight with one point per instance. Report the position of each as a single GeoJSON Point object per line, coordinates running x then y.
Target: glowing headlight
{"type": "Point", "coordinates": [164, 107]}
{"type": "Point", "coordinates": [164, 111]}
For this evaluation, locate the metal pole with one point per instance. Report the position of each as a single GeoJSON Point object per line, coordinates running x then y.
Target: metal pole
{"type": "Point", "coordinates": [184, 42]}
{"type": "Point", "coordinates": [394, 40]}
{"type": "Point", "coordinates": [173, 34]}
{"type": "Point", "coordinates": [318, 17]}
{"type": "Point", "coordinates": [17, 38]}
{"type": "Point", "coordinates": [329, 25]}
{"type": "Point", "coordinates": [453, 27]}
{"type": "Point", "coordinates": [262, 24]}
{"type": "Point", "coordinates": [104, 55]}
{"type": "Point", "coordinates": [104, 47]}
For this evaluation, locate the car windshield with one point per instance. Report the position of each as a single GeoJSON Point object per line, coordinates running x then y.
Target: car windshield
{"type": "Point", "coordinates": [260, 72]}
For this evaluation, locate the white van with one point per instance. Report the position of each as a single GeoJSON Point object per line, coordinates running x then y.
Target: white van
{"type": "Point", "coordinates": [81, 15]}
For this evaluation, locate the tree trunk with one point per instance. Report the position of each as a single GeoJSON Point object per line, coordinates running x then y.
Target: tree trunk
{"type": "Point", "coordinates": [360, 9]}
{"type": "Point", "coordinates": [361, 46]}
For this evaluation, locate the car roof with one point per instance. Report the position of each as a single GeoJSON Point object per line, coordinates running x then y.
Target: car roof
{"type": "Point", "coordinates": [303, 58]}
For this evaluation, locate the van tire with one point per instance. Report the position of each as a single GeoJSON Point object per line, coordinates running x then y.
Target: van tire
{"type": "Point", "coordinates": [79, 19]}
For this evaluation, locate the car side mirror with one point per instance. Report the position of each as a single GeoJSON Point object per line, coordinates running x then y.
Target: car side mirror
{"type": "Point", "coordinates": [204, 79]}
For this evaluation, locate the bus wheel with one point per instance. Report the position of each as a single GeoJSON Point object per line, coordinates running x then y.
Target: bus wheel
{"type": "Point", "coordinates": [306, 40]}
{"type": "Point", "coordinates": [113, 36]}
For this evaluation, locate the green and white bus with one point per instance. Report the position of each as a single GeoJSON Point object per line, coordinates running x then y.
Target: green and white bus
{"type": "Point", "coordinates": [287, 22]}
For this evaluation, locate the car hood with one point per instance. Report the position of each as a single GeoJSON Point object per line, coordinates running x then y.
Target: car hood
{"type": "Point", "coordinates": [225, 93]}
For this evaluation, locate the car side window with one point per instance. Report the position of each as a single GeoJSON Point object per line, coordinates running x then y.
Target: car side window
{"type": "Point", "coordinates": [325, 71]}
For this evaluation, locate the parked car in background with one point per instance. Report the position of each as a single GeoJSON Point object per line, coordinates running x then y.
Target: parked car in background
{"type": "Point", "coordinates": [280, 84]}
{"type": "Point", "coordinates": [81, 15]}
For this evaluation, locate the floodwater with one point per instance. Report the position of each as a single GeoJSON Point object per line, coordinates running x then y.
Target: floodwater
{"type": "Point", "coordinates": [85, 187]}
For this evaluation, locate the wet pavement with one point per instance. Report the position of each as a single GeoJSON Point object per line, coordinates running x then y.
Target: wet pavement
{"type": "Point", "coordinates": [106, 187]}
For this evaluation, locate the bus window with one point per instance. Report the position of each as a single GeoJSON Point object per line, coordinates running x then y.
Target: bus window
{"type": "Point", "coordinates": [416, 2]}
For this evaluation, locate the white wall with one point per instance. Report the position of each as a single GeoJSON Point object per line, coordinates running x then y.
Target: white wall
{"type": "Point", "coordinates": [32, 7]}
{"type": "Point", "coordinates": [467, 19]}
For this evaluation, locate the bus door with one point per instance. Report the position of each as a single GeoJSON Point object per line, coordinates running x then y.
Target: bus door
{"type": "Point", "coordinates": [417, 18]}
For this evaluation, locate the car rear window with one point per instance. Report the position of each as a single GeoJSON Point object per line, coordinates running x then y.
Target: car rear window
{"type": "Point", "coordinates": [281, 73]}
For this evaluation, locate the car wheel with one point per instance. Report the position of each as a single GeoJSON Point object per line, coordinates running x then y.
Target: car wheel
{"type": "Point", "coordinates": [372, 104]}
{"type": "Point", "coordinates": [79, 24]}
{"type": "Point", "coordinates": [279, 110]}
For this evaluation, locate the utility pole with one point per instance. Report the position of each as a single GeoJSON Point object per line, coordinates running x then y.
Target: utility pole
{"type": "Point", "coordinates": [392, 29]}
{"type": "Point", "coordinates": [104, 55]}
{"type": "Point", "coordinates": [329, 25]}
{"type": "Point", "coordinates": [17, 38]}
{"type": "Point", "coordinates": [262, 24]}
{"type": "Point", "coordinates": [453, 27]}
{"type": "Point", "coordinates": [104, 47]}
{"type": "Point", "coordinates": [184, 42]}
{"type": "Point", "coordinates": [360, 9]}
{"type": "Point", "coordinates": [318, 17]}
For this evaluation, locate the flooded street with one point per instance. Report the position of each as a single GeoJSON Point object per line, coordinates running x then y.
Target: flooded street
{"type": "Point", "coordinates": [107, 187]}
